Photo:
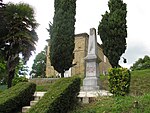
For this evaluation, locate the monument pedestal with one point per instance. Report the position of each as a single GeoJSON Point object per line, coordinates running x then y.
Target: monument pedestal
{"type": "Point", "coordinates": [91, 80]}
{"type": "Point", "coordinates": [90, 84]}
{"type": "Point", "coordinates": [87, 96]}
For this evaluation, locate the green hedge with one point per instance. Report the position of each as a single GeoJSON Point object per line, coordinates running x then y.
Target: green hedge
{"type": "Point", "coordinates": [17, 80]}
{"type": "Point", "coordinates": [119, 81]}
{"type": "Point", "coordinates": [14, 98]}
{"type": "Point", "coordinates": [60, 98]}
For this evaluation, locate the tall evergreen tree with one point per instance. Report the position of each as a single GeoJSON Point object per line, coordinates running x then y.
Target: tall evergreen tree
{"type": "Point", "coordinates": [113, 31]}
{"type": "Point", "coordinates": [62, 35]}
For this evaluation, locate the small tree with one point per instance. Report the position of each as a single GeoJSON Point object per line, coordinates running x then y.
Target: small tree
{"type": "Point", "coordinates": [39, 65]}
{"type": "Point", "coordinates": [62, 35]}
{"type": "Point", "coordinates": [112, 31]}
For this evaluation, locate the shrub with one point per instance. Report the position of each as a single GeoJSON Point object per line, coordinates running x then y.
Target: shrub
{"type": "Point", "coordinates": [16, 97]}
{"type": "Point", "coordinates": [17, 80]}
{"type": "Point", "coordinates": [60, 98]}
{"type": "Point", "coordinates": [119, 81]}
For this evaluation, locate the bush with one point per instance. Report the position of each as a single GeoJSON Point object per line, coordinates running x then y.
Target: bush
{"type": "Point", "coordinates": [119, 81]}
{"type": "Point", "coordinates": [17, 80]}
{"type": "Point", "coordinates": [60, 98]}
{"type": "Point", "coordinates": [16, 97]}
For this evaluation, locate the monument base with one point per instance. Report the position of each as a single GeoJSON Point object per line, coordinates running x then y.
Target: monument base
{"type": "Point", "coordinates": [90, 84]}
{"type": "Point", "coordinates": [87, 96]}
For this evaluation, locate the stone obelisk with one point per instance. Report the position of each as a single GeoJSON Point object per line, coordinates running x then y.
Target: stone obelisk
{"type": "Point", "coordinates": [91, 80]}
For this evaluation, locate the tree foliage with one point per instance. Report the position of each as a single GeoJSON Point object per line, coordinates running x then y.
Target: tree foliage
{"type": "Point", "coordinates": [112, 31]}
{"type": "Point", "coordinates": [2, 33]}
{"type": "Point", "coordinates": [21, 69]}
{"type": "Point", "coordinates": [18, 35]}
{"type": "Point", "coordinates": [62, 35]}
{"type": "Point", "coordinates": [39, 65]}
{"type": "Point", "coordinates": [2, 63]}
{"type": "Point", "coordinates": [141, 64]}
{"type": "Point", "coordinates": [3, 28]}
{"type": "Point", "coordinates": [3, 78]}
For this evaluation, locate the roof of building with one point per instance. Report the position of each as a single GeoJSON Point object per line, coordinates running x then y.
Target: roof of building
{"type": "Point", "coordinates": [82, 34]}
{"type": "Point", "coordinates": [79, 35]}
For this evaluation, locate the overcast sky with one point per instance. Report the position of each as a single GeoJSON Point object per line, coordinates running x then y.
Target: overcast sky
{"type": "Point", "coordinates": [88, 15]}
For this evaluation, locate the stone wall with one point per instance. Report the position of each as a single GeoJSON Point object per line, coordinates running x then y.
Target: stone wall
{"type": "Point", "coordinates": [80, 51]}
{"type": "Point", "coordinates": [50, 72]}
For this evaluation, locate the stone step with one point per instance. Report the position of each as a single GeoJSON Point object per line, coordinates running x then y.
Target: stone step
{"type": "Point", "coordinates": [25, 109]}
{"type": "Point", "coordinates": [33, 102]}
{"type": "Point", "coordinates": [40, 94]}
{"type": "Point", "coordinates": [37, 97]}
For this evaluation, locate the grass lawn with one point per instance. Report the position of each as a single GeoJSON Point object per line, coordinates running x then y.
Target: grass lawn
{"type": "Point", "coordinates": [140, 82]}
{"type": "Point", "coordinates": [138, 101]}
{"type": "Point", "coordinates": [127, 104]}
{"type": "Point", "coordinates": [44, 87]}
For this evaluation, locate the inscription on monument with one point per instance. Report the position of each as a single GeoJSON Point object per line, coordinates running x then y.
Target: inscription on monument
{"type": "Point", "coordinates": [90, 69]}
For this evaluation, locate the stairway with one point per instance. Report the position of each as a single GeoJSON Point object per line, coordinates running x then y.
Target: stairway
{"type": "Point", "coordinates": [37, 97]}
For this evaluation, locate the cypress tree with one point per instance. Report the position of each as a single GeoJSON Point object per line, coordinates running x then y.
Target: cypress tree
{"type": "Point", "coordinates": [113, 31]}
{"type": "Point", "coordinates": [62, 35]}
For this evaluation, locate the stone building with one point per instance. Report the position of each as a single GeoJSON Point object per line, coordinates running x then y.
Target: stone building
{"type": "Point", "coordinates": [80, 52]}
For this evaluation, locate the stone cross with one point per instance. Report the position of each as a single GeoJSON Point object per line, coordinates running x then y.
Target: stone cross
{"type": "Point", "coordinates": [91, 80]}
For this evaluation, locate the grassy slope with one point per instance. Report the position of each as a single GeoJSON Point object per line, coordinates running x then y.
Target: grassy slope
{"type": "Point", "coordinates": [137, 102]}
{"type": "Point", "coordinates": [140, 82]}
{"type": "Point", "coordinates": [128, 104]}
{"type": "Point", "coordinates": [140, 93]}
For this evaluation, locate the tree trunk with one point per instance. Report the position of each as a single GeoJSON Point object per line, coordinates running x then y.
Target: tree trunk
{"type": "Point", "coordinates": [12, 62]}
{"type": "Point", "coordinates": [62, 74]}
{"type": "Point", "coordinates": [10, 78]}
